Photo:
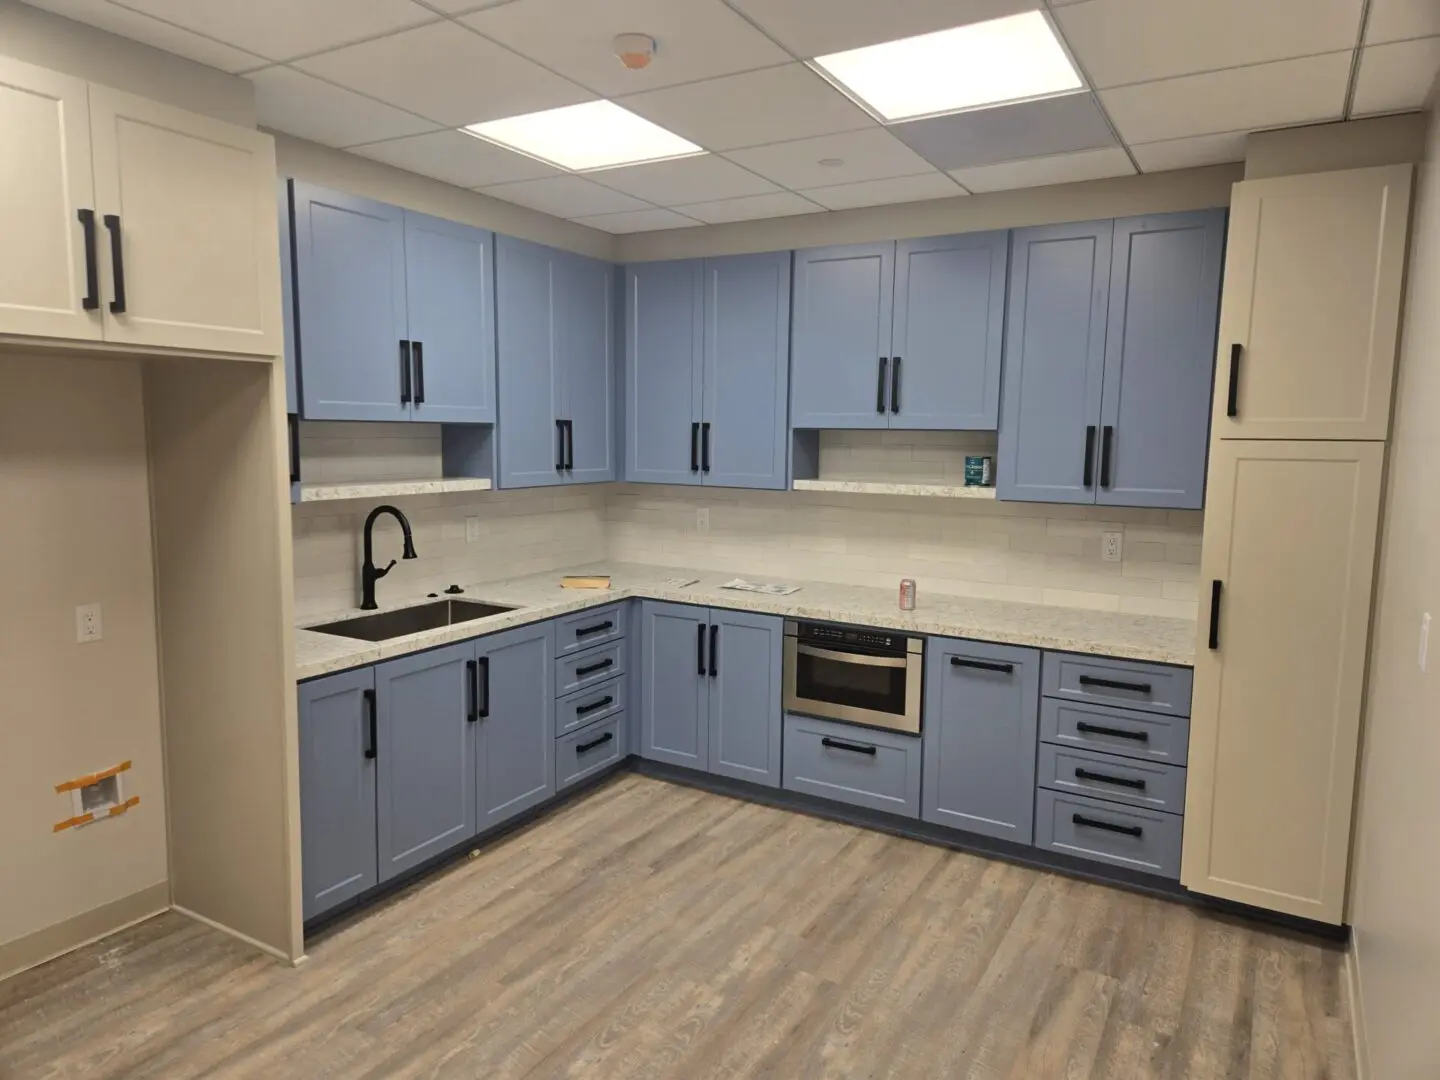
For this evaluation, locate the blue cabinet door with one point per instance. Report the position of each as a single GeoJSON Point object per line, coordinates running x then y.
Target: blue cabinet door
{"type": "Point", "coordinates": [450, 287]}
{"type": "Point", "coordinates": [337, 789]}
{"type": "Point", "coordinates": [675, 695]}
{"type": "Point", "coordinates": [528, 361]}
{"type": "Point", "coordinates": [1160, 359]}
{"type": "Point", "coordinates": [949, 332]}
{"type": "Point", "coordinates": [426, 748]}
{"type": "Point", "coordinates": [745, 694]}
{"type": "Point", "coordinates": [841, 336]}
{"type": "Point", "coordinates": [746, 366]}
{"type": "Point", "coordinates": [515, 722]}
{"type": "Point", "coordinates": [664, 316]}
{"type": "Point", "coordinates": [350, 278]}
{"type": "Point", "coordinates": [1054, 362]}
{"type": "Point", "coordinates": [587, 348]}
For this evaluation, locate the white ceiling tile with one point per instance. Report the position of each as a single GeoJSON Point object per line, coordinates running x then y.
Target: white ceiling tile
{"type": "Point", "coordinates": [1038, 172]}
{"type": "Point", "coordinates": [283, 29]}
{"type": "Point", "coordinates": [693, 179]}
{"type": "Point", "coordinates": [873, 154]}
{"type": "Point", "coordinates": [1190, 153]}
{"type": "Point", "coordinates": [293, 102]}
{"type": "Point", "coordinates": [745, 110]}
{"type": "Point", "coordinates": [1400, 20]}
{"type": "Point", "coordinates": [456, 158]}
{"type": "Point", "coordinates": [1396, 77]}
{"type": "Point", "coordinates": [811, 28]}
{"type": "Point", "coordinates": [151, 31]}
{"type": "Point", "coordinates": [1250, 98]}
{"type": "Point", "coordinates": [781, 204]}
{"type": "Point", "coordinates": [447, 73]}
{"type": "Point", "coordinates": [696, 39]}
{"type": "Point", "coordinates": [565, 196]}
{"type": "Point", "coordinates": [637, 221]}
{"type": "Point", "coordinates": [880, 192]}
{"type": "Point", "coordinates": [1130, 41]}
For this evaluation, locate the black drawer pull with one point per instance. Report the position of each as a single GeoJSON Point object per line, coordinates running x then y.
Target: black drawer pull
{"type": "Point", "coordinates": [1232, 399]}
{"type": "Point", "coordinates": [1102, 778]}
{"type": "Point", "coordinates": [91, 300]}
{"type": "Point", "coordinates": [404, 373]}
{"type": "Point", "coordinates": [482, 690]}
{"type": "Point", "coordinates": [1088, 468]}
{"type": "Point", "coordinates": [983, 665]}
{"type": "Point", "coordinates": [417, 352]}
{"type": "Point", "coordinates": [117, 263]}
{"type": "Point", "coordinates": [370, 709]}
{"type": "Point", "coordinates": [837, 744]}
{"type": "Point", "coordinates": [1107, 448]}
{"type": "Point", "coordinates": [700, 647]}
{"type": "Point", "coordinates": [597, 628]}
{"type": "Point", "coordinates": [586, 710]}
{"type": "Point", "coordinates": [472, 668]}
{"type": "Point", "coordinates": [1108, 826]}
{"type": "Point", "coordinates": [593, 743]}
{"type": "Point", "coordinates": [895, 385]}
{"type": "Point", "coordinates": [1115, 684]}
{"type": "Point", "coordinates": [559, 445]}
{"type": "Point", "coordinates": [1117, 733]}
{"type": "Point", "coordinates": [590, 669]}
{"type": "Point", "coordinates": [705, 447]}
{"type": "Point", "coordinates": [880, 386]}
{"type": "Point", "coordinates": [714, 650]}
{"type": "Point", "coordinates": [1215, 588]}
{"type": "Point", "coordinates": [695, 446]}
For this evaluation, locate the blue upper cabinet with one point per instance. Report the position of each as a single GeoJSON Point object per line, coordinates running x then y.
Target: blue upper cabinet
{"type": "Point", "coordinates": [1159, 359]}
{"type": "Point", "coordinates": [664, 318]}
{"type": "Point", "coordinates": [532, 439]}
{"type": "Point", "coordinates": [1054, 362]}
{"type": "Point", "coordinates": [587, 368]}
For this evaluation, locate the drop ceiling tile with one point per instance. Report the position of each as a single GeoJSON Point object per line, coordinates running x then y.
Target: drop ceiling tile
{"type": "Point", "coordinates": [781, 204]}
{"type": "Point", "coordinates": [1396, 77]}
{"type": "Point", "coordinates": [447, 73]}
{"type": "Point", "coordinates": [565, 196]}
{"type": "Point", "coordinates": [882, 192]}
{"type": "Point", "coordinates": [768, 106]}
{"type": "Point", "coordinates": [1058, 125]}
{"type": "Point", "coordinates": [1400, 20]}
{"type": "Point", "coordinates": [456, 158]}
{"type": "Point", "coordinates": [151, 31]}
{"type": "Point", "coordinates": [696, 39]}
{"type": "Point", "coordinates": [284, 29]}
{"type": "Point", "coordinates": [637, 221]}
{"type": "Point", "coordinates": [291, 101]}
{"type": "Point", "coordinates": [1190, 153]}
{"type": "Point", "coordinates": [693, 179]}
{"type": "Point", "coordinates": [1130, 41]}
{"type": "Point", "coordinates": [811, 28]}
{"type": "Point", "coordinates": [1038, 172]}
{"type": "Point", "coordinates": [873, 154]}
{"type": "Point", "coordinates": [1250, 98]}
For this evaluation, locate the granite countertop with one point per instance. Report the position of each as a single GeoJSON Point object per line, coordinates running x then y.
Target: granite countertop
{"type": "Point", "coordinates": [538, 597]}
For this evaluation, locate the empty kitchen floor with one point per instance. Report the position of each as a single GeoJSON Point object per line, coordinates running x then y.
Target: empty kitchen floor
{"type": "Point", "coordinates": [651, 930]}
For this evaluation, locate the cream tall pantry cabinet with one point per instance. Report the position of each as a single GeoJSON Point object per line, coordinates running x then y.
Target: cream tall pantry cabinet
{"type": "Point", "coordinates": [132, 222]}
{"type": "Point", "coordinates": [1309, 327]}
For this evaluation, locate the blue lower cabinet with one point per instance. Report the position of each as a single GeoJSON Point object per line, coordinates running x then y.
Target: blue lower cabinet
{"type": "Point", "coordinates": [1138, 839]}
{"type": "Point", "coordinates": [674, 700]}
{"type": "Point", "coordinates": [588, 751]}
{"type": "Point", "coordinates": [879, 770]}
{"type": "Point", "coordinates": [514, 722]}
{"type": "Point", "coordinates": [744, 715]}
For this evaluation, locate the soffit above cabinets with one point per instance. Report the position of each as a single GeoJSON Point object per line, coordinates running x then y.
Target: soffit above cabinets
{"type": "Point", "coordinates": [1168, 84]}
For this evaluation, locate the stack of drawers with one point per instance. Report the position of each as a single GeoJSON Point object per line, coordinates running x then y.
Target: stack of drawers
{"type": "Point", "coordinates": [590, 688]}
{"type": "Point", "coordinates": [1111, 770]}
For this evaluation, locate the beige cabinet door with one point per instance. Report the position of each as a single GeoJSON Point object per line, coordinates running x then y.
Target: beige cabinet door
{"type": "Point", "coordinates": [1310, 312]}
{"type": "Point", "coordinates": [1290, 533]}
{"type": "Point", "coordinates": [191, 203]}
{"type": "Point", "coordinates": [45, 181]}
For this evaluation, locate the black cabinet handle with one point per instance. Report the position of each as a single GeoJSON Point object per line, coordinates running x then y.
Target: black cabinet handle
{"type": "Point", "coordinates": [482, 689]}
{"type": "Point", "coordinates": [880, 386]}
{"type": "Point", "coordinates": [117, 263]}
{"type": "Point", "coordinates": [597, 628]}
{"type": "Point", "coordinates": [1116, 733]}
{"type": "Point", "coordinates": [91, 300]}
{"type": "Point", "coordinates": [1089, 478]}
{"type": "Point", "coordinates": [590, 669]}
{"type": "Point", "coordinates": [1115, 684]}
{"type": "Point", "coordinates": [705, 447]}
{"type": "Point", "coordinates": [292, 423]}
{"type": "Point", "coordinates": [1103, 778]}
{"type": "Point", "coordinates": [593, 743]}
{"type": "Point", "coordinates": [569, 445]}
{"type": "Point", "coordinates": [895, 385]}
{"type": "Point", "coordinates": [559, 445]}
{"type": "Point", "coordinates": [1107, 450]}
{"type": "Point", "coordinates": [695, 446]}
{"type": "Point", "coordinates": [714, 651]}
{"type": "Point", "coordinates": [1108, 826]}
{"type": "Point", "coordinates": [1215, 588]}
{"type": "Point", "coordinates": [417, 351]}
{"type": "Point", "coordinates": [404, 373]}
{"type": "Point", "coordinates": [594, 706]}
{"type": "Point", "coordinates": [983, 665]}
{"type": "Point", "coordinates": [373, 724]}
{"type": "Point", "coordinates": [837, 744]}
{"type": "Point", "coordinates": [700, 648]}
{"type": "Point", "coordinates": [472, 668]}
{"type": "Point", "coordinates": [1232, 400]}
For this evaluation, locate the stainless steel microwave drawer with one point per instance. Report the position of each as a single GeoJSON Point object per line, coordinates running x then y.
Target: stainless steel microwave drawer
{"type": "Point", "coordinates": [1128, 683]}
{"type": "Point", "coordinates": [861, 766]}
{"type": "Point", "coordinates": [1114, 779]}
{"type": "Point", "coordinates": [1143, 840]}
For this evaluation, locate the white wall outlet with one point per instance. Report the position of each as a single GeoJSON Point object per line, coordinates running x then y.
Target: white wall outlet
{"type": "Point", "coordinates": [87, 623]}
{"type": "Point", "coordinates": [1112, 546]}
{"type": "Point", "coordinates": [472, 529]}
{"type": "Point", "coordinates": [1424, 638]}
{"type": "Point", "coordinates": [702, 519]}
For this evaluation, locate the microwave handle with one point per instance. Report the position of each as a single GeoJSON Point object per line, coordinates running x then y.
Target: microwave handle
{"type": "Point", "coordinates": [853, 658]}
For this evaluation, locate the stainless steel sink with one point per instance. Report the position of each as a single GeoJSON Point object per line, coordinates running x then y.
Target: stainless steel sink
{"type": "Point", "coordinates": [411, 620]}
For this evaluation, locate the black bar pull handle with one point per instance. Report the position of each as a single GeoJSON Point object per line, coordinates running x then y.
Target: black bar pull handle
{"type": "Point", "coordinates": [594, 706]}
{"type": "Point", "coordinates": [880, 385]}
{"type": "Point", "coordinates": [695, 446]}
{"type": "Point", "coordinates": [1105, 778]}
{"type": "Point", "coordinates": [895, 385]}
{"type": "Point", "coordinates": [591, 669]}
{"type": "Point", "coordinates": [1089, 477]}
{"type": "Point", "coordinates": [705, 447]}
{"type": "Point", "coordinates": [482, 689]}
{"type": "Point", "coordinates": [838, 744]}
{"type": "Point", "coordinates": [372, 723]}
{"type": "Point", "coordinates": [1215, 590]}
{"type": "Point", "coordinates": [983, 665]}
{"type": "Point", "coordinates": [593, 743]}
{"type": "Point", "coordinates": [1115, 684]}
{"type": "Point", "coordinates": [417, 351]}
{"type": "Point", "coordinates": [714, 651]}
{"type": "Point", "coordinates": [700, 648]}
{"type": "Point", "coordinates": [559, 445]}
{"type": "Point", "coordinates": [1108, 826]}
{"type": "Point", "coordinates": [569, 445]}
{"type": "Point", "coordinates": [1232, 399]}
{"type": "Point", "coordinates": [597, 628]}
{"type": "Point", "coordinates": [117, 263]}
{"type": "Point", "coordinates": [404, 373]}
{"type": "Point", "coordinates": [1107, 452]}
{"type": "Point", "coordinates": [292, 423]}
{"type": "Point", "coordinates": [1115, 733]}
{"type": "Point", "coordinates": [91, 300]}
{"type": "Point", "coordinates": [472, 668]}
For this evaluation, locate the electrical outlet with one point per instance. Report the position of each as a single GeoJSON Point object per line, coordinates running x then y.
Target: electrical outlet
{"type": "Point", "coordinates": [702, 519]}
{"type": "Point", "coordinates": [1112, 546]}
{"type": "Point", "coordinates": [472, 529]}
{"type": "Point", "coordinates": [87, 623]}
{"type": "Point", "coordinates": [1424, 638]}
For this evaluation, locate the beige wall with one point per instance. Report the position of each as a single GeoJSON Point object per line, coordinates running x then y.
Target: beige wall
{"type": "Point", "coordinates": [1357, 144]}
{"type": "Point", "coordinates": [74, 499]}
{"type": "Point", "coordinates": [1395, 899]}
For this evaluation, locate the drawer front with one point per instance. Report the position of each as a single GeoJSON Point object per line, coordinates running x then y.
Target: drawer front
{"type": "Point", "coordinates": [875, 769]}
{"type": "Point", "coordinates": [1115, 779]}
{"type": "Point", "coordinates": [1142, 840]}
{"type": "Point", "coordinates": [1152, 687]}
{"type": "Point", "coordinates": [586, 629]}
{"type": "Point", "coordinates": [589, 750]}
{"type": "Point", "coordinates": [589, 705]}
{"type": "Point", "coordinates": [1127, 732]}
{"type": "Point", "coordinates": [581, 671]}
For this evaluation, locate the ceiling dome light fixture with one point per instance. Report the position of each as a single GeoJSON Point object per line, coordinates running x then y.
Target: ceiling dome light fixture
{"type": "Point", "coordinates": [634, 50]}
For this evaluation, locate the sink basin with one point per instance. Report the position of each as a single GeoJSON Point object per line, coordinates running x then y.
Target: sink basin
{"type": "Point", "coordinates": [385, 625]}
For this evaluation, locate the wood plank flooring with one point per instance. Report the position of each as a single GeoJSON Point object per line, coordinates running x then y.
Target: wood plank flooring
{"type": "Point", "coordinates": [651, 930]}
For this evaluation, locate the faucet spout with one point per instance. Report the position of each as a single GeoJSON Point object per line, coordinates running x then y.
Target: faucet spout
{"type": "Point", "coordinates": [368, 572]}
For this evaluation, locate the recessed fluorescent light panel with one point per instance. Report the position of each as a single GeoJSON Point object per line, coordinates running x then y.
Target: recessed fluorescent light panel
{"type": "Point", "coordinates": [989, 63]}
{"type": "Point", "coordinates": [596, 135]}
